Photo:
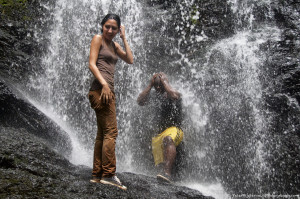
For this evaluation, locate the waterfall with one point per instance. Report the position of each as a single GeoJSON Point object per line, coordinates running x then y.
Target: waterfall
{"type": "Point", "coordinates": [227, 121]}
{"type": "Point", "coordinates": [231, 89]}
{"type": "Point", "coordinates": [221, 84]}
{"type": "Point", "coordinates": [62, 81]}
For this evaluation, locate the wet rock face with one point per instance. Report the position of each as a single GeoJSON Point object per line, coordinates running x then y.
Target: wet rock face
{"type": "Point", "coordinates": [21, 44]}
{"type": "Point", "coordinates": [30, 169]}
{"type": "Point", "coordinates": [28, 165]}
{"type": "Point", "coordinates": [209, 17]}
{"type": "Point", "coordinates": [286, 62]}
{"type": "Point", "coordinates": [280, 79]}
{"type": "Point", "coordinates": [19, 114]}
{"type": "Point", "coordinates": [282, 100]}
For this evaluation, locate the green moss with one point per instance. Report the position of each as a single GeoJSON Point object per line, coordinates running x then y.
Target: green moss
{"type": "Point", "coordinates": [13, 3]}
{"type": "Point", "coordinates": [26, 18]}
{"type": "Point", "coordinates": [14, 9]}
{"type": "Point", "coordinates": [17, 161]}
{"type": "Point", "coordinates": [193, 14]}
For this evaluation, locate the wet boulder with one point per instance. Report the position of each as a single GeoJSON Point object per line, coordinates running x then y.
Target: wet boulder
{"type": "Point", "coordinates": [18, 113]}
{"type": "Point", "coordinates": [29, 168]}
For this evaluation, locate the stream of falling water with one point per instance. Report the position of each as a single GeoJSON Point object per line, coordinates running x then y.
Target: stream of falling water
{"type": "Point", "coordinates": [226, 83]}
{"type": "Point", "coordinates": [61, 84]}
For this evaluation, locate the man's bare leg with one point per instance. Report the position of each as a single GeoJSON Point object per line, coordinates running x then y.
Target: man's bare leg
{"type": "Point", "coordinates": [169, 154]}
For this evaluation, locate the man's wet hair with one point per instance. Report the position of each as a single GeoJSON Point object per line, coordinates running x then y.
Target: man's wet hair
{"type": "Point", "coordinates": [157, 80]}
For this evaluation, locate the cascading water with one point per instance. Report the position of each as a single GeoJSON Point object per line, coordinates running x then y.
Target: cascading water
{"type": "Point", "coordinates": [63, 85]}
{"type": "Point", "coordinates": [225, 120]}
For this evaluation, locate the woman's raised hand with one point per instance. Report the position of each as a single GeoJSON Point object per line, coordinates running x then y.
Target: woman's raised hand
{"type": "Point", "coordinates": [122, 31]}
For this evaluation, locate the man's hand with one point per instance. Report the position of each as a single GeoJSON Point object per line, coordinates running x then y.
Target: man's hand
{"type": "Point", "coordinates": [153, 79]}
{"type": "Point", "coordinates": [163, 78]}
{"type": "Point", "coordinates": [171, 93]}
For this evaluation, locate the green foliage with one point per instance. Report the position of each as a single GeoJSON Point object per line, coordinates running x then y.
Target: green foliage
{"type": "Point", "coordinates": [13, 3]}
{"type": "Point", "coordinates": [14, 9]}
{"type": "Point", "coordinates": [194, 18]}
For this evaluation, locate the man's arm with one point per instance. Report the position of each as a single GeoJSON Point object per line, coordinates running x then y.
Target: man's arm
{"type": "Point", "coordinates": [143, 97]}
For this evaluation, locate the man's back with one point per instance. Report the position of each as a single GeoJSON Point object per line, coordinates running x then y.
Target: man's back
{"type": "Point", "coordinates": [168, 112]}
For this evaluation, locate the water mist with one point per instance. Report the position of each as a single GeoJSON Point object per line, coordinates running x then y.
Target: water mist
{"type": "Point", "coordinates": [225, 119]}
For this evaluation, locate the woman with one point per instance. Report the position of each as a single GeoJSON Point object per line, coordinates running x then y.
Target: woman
{"type": "Point", "coordinates": [104, 54]}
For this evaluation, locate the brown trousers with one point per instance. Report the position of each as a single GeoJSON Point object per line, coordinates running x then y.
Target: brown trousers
{"type": "Point", "coordinates": [104, 151]}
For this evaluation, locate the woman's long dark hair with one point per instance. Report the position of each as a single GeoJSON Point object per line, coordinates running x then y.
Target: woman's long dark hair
{"type": "Point", "coordinates": [110, 16]}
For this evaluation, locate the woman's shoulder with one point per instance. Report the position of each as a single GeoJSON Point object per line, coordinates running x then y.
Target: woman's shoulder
{"type": "Point", "coordinates": [97, 41]}
{"type": "Point", "coordinates": [97, 38]}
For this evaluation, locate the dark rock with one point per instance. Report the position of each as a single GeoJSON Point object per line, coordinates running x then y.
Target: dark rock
{"type": "Point", "coordinates": [20, 40]}
{"type": "Point", "coordinates": [282, 98]}
{"type": "Point", "coordinates": [16, 112]}
{"type": "Point", "coordinates": [29, 168]}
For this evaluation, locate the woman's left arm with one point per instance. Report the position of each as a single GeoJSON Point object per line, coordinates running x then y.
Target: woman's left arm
{"type": "Point", "coordinates": [127, 54]}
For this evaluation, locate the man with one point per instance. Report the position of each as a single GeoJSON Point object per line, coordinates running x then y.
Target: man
{"type": "Point", "coordinates": [168, 118]}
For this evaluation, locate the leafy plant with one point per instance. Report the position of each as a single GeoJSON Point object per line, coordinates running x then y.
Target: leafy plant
{"type": "Point", "coordinates": [14, 9]}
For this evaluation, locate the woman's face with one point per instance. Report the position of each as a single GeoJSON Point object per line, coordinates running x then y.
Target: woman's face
{"type": "Point", "coordinates": [110, 29]}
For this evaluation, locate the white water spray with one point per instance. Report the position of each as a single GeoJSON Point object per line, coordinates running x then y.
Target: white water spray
{"type": "Point", "coordinates": [227, 80]}
{"type": "Point", "coordinates": [64, 79]}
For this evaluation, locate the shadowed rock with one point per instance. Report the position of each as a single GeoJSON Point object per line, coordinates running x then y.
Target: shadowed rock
{"type": "Point", "coordinates": [20, 114]}
{"type": "Point", "coordinates": [29, 168]}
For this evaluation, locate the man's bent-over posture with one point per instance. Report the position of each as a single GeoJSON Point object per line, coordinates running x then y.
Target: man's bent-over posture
{"type": "Point", "coordinates": [168, 117]}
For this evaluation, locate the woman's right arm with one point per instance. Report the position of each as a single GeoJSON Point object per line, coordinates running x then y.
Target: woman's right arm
{"type": "Point", "coordinates": [106, 93]}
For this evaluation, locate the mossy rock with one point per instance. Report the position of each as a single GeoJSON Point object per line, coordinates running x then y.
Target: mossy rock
{"type": "Point", "coordinates": [14, 9]}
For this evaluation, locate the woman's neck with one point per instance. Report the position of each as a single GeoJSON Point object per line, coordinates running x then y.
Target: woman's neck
{"type": "Point", "coordinates": [107, 42]}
